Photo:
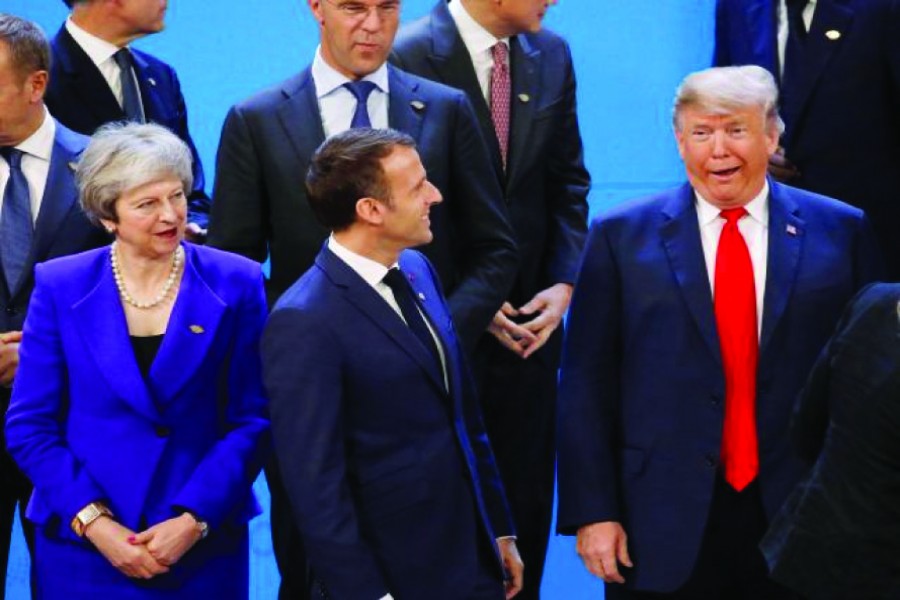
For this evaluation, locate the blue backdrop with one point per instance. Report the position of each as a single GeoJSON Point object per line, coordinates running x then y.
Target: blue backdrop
{"type": "Point", "coordinates": [629, 56]}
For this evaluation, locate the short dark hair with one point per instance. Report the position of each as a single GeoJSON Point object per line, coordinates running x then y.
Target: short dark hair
{"type": "Point", "coordinates": [27, 44]}
{"type": "Point", "coordinates": [347, 167]}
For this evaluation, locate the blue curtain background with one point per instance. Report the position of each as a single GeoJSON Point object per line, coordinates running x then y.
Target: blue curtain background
{"type": "Point", "coordinates": [629, 56]}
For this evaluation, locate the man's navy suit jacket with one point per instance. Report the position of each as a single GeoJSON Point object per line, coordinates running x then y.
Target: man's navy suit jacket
{"type": "Point", "coordinates": [390, 476]}
{"type": "Point", "coordinates": [261, 207]}
{"type": "Point", "coordinates": [642, 387]}
{"type": "Point", "coordinates": [843, 124]}
{"type": "Point", "coordinates": [79, 97]}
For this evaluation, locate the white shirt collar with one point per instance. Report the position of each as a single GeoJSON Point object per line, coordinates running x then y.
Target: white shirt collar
{"type": "Point", "coordinates": [474, 36]}
{"type": "Point", "coordinates": [40, 143]}
{"type": "Point", "coordinates": [371, 271]}
{"type": "Point", "coordinates": [758, 208]}
{"type": "Point", "coordinates": [327, 79]}
{"type": "Point", "coordinates": [98, 50]}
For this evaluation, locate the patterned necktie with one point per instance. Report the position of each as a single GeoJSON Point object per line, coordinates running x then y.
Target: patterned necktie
{"type": "Point", "coordinates": [735, 309]}
{"type": "Point", "coordinates": [501, 90]}
{"type": "Point", "coordinates": [131, 99]}
{"type": "Point", "coordinates": [403, 294]}
{"type": "Point", "coordinates": [16, 226]}
{"type": "Point", "coordinates": [361, 91]}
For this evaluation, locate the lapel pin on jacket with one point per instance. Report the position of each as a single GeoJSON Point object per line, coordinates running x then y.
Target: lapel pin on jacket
{"type": "Point", "coordinates": [73, 165]}
{"type": "Point", "coordinates": [196, 329]}
{"type": "Point", "coordinates": [790, 229]}
{"type": "Point", "coordinates": [421, 296]}
{"type": "Point", "coordinates": [524, 98]}
{"type": "Point", "coordinates": [833, 35]}
{"type": "Point", "coordinates": [417, 105]}
{"type": "Point", "coordinates": [151, 81]}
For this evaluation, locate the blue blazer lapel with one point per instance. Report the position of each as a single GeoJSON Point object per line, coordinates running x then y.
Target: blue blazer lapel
{"type": "Point", "coordinates": [300, 118]}
{"type": "Point", "coordinates": [760, 17]}
{"type": "Point", "coordinates": [680, 235]}
{"type": "Point", "coordinates": [100, 319]}
{"type": "Point", "coordinates": [525, 90]}
{"type": "Point", "coordinates": [407, 106]}
{"type": "Point", "coordinates": [192, 328]}
{"type": "Point", "coordinates": [373, 306]}
{"type": "Point", "coordinates": [154, 108]}
{"type": "Point", "coordinates": [786, 237]}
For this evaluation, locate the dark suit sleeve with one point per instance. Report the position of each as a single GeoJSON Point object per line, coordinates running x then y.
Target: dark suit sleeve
{"type": "Point", "coordinates": [589, 392]}
{"type": "Point", "coordinates": [868, 257]}
{"type": "Point", "coordinates": [221, 480]}
{"type": "Point", "coordinates": [303, 377]}
{"type": "Point", "coordinates": [237, 222]}
{"type": "Point", "coordinates": [568, 183]}
{"type": "Point", "coordinates": [487, 260]}
{"type": "Point", "coordinates": [35, 420]}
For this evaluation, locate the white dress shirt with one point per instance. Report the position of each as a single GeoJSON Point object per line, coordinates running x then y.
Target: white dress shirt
{"type": "Point", "coordinates": [337, 104]}
{"type": "Point", "coordinates": [755, 230]}
{"type": "Point", "coordinates": [101, 54]}
{"type": "Point", "coordinates": [478, 42]}
{"type": "Point", "coordinates": [783, 26]}
{"type": "Point", "coordinates": [37, 150]}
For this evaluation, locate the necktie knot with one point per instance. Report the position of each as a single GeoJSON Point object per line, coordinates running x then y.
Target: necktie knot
{"type": "Point", "coordinates": [123, 58]}
{"type": "Point", "coordinates": [12, 156]}
{"type": "Point", "coordinates": [733, 215]}
{"type": "Point", "coordinates": [500, 54]}
{"type": "Point", "coordinates": [394, 279]}
{"type": "Point", "coordinates": [361, 90]}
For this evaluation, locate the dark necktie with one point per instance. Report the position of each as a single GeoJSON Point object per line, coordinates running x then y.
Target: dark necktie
{"type": "Point", "coordinates": [796, 40]}
{"type": "Point", "coordinates": [131, 98]}
{"type": "Point", "coordinates": [16, 226]}
{"type": "Point", "coordinates": [403, 294]}
{"type": "Point", "coordinates": [735, 309]}
{"type": "Point", "coordinates": [361, 91]}
{"type": "Point", "coordinates": [501, 90]}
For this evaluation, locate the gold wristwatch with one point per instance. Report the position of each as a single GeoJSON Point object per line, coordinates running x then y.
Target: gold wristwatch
{"type": "Point", "coordinates": [88, 515]}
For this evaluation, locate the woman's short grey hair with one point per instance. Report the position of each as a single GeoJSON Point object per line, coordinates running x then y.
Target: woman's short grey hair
{"type": "Point", "coordinates": [123, 156]}
{"type": "Point", "coordinates": [722, 90]}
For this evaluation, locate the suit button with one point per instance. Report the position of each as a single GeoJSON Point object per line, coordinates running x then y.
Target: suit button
{"type": "Point", "coordinates": [162, 431]}
{"type": "Point", "coordinates": [715, 399]}
{"type": "Point", "coordinates": [711, 461]}
{"type": "Point", "coordinates": [10, 310]}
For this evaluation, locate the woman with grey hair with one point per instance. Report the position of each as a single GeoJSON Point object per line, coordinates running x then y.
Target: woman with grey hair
{"type": "Point", "coordinates": [138, 408]}
{"type": "Point", "coordinates": [838, 534]}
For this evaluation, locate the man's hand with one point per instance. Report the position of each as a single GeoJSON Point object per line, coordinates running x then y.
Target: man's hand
{"type": "Point", "coordinates": [168, 541]}
{"type": "Point", "coordinates": [512, 566]}
{"type": "Point", "coordinates": [549, 305]}
{"type": "Point", "coordinates": [112, 540]}
{"type": "Point", "coordinates": [194, 233]}
{"type": "Point", "coordinates": [513, 337]}
{"type": "Point", "coordinates": [603, 547]}
{"type": "Point", "coordinates": [781, 168]}
{"type": "Point", "coordinates": [9, 356]}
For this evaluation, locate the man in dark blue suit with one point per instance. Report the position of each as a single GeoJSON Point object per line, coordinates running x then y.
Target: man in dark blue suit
{"type": "Point", "coordinates": [39, 219]}
{"type": "Point", "coordinates": [696, 317]}
{"type": "Point", "coordinates": [838, 62]}
{"type": "Point", "coordinates": [97, 78]}
{"type": "Point", "coordinates": [520, 79]}
{"type": "Point", "coordinates": [375, 420]}
{"type": "Point", "coordinates": [261, 209]}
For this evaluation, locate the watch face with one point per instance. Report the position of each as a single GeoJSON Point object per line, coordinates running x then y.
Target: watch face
{"type": "Point", "coordinates": [88, 514]}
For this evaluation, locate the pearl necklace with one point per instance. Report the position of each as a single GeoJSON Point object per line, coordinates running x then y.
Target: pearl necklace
{"type": "Point", "coordinates": [163, 293]}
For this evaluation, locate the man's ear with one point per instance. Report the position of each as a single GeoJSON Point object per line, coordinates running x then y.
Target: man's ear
{"type": "Point", "coordinates": [370, 210]}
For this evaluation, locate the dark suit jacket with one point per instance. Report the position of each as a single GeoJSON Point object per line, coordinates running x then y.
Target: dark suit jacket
{"type": "Point", "coordinates": [61, 229]}
{"type": "Point", "coordinates": [261, 207]}
{"type": "Point", "coordinates": [84, 425]}
{"type": "Point", "coordinates": [79, 97]}
{"type": "Point", "coordinates": [838, 534]}
{"type": "Point", "coordinates": [390, 477]}
{"type": "Point", "coordinates": [545, 184]}
{"type": "Point", "coordinates": [642, 386]}
{"type": "Point", "coordinates": [843, 126]}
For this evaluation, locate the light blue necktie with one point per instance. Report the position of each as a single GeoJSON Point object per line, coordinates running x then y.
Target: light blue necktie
{"type": "Point", "coordinates": [16, 227]}
{"type": "Point", "coordinates": [361, 91]}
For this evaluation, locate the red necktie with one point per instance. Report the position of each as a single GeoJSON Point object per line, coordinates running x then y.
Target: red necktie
{"type": "Point", "coordinates": [501, 89]}
{"type": "Point", "coordinates": [735, 308]}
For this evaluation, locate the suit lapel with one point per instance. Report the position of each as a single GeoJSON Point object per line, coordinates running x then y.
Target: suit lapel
{"type": "Point", "coordinates": [192, 328]}
{"type": "Point", "coordinates": [86, 81]}
{"type": "Point", "coordinates": [786, 237]}
{"type": "Point", "coordinates": [680, 234]}
{"type": "Point", "coordinates": [154, 109]}
{"type": "Point", "coordinates": [525, 90]}
{"type": "Point", "coordinates": [760, 16]}
{"type": "Point", "coordinates": [299, 116]}
{"type": "Point", "coordinates": [453, 65]}
{"type": "Point", "coordinates": [829, 19]}
{"type": "Point", "coordinates": [361, 295]}
{"type": "Point", "coordinates": [407, 106]}
{"type": "Point", "coordinates": [100, 319]}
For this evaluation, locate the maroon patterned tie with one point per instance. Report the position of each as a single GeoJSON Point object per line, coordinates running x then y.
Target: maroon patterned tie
{"type": "Point", "coordinates": [501, 90]}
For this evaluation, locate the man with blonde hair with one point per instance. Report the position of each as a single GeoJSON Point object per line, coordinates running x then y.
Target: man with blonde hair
{"type": "Point", "coordinates": [697, 315]}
